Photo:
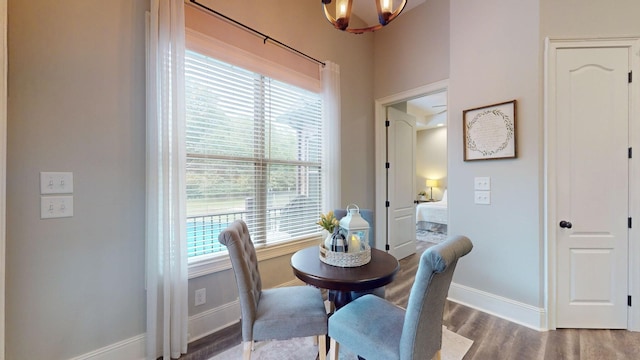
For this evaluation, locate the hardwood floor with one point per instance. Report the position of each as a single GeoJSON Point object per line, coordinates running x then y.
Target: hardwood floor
{"type": "Point", "coordinates": [493, 338]}
{"type": "Point", "coordinates": [496, 338]}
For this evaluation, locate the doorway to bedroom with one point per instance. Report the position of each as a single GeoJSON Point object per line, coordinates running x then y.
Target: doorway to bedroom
{"type": "Point", "coordinates": [431, 165]}
{"type": "Point", "coordinates": [425, 194]}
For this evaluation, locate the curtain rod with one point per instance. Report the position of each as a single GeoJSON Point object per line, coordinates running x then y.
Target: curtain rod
{"type": "Point", "coordinates": [258, 33]}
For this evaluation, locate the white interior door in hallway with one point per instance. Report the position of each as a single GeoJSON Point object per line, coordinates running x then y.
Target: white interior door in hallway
{"type": "Point", "coordinates": [592, 115]}
{"type": "Point", "coordinates": [401, 169]}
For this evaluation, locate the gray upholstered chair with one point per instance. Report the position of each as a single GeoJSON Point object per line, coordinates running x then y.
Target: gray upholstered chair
{"type": "Point", "coordinates": [271, 314]}
{"type": "Point", "coordinates": [379, 330]}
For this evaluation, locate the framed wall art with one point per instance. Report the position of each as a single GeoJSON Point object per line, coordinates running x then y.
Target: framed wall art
{"type": "Point", "coordinates": [490, 132]}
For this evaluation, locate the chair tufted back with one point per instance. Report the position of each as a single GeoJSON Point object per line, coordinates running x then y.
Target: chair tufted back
{"type": "Point", "coordinates": [422, 329]}
{"type": "Point", "coordinates": [245, 267]}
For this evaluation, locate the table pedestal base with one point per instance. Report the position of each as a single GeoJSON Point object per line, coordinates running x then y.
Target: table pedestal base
{"type": "Point", "coordinates": [340, 298]}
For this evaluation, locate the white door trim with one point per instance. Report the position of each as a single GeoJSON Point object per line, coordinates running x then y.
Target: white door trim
{"type": "Point", "coordinates": [380, 148]}
{"type": "Point", "coordinates": [551, 219]}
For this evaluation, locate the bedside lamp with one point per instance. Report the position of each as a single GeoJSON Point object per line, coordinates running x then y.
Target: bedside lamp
{"type": "Point", "coordinates": [431, 184]}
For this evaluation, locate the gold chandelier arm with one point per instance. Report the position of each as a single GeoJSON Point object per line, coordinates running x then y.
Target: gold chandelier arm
{"type": "Point", "coordinates": [340, 24]}
{"type": "Point", "coordinates": [398, 11]}
{"type": "Point", "coordinates": [343, 24]}
{"type": "Point", "coordinates": [328, 16]}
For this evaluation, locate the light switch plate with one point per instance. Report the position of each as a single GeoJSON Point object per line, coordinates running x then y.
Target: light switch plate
{"type": "Point", "coordinates": [56, 206]}
{"type": "Point", "coordinates": [56, 183]}
{"type": "Point", "coordinates": [482, 197]}
{"type": "Point", "coordinates": [482, 183]}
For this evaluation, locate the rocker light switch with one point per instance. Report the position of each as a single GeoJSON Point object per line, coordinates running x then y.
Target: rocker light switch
{"type": "Point", "coordinates": [482, 197]}
{"type": "Point", "coordinates": [482, 183]}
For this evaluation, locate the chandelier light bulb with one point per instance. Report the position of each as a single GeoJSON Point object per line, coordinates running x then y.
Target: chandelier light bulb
{"type": "Point", "coordinates": [384, 8]}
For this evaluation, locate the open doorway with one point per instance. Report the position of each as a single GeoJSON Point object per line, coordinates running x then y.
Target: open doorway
{"type": "Point", "coordinates": [428, 106]}
{"type": "Point", "coordinates": [431, 116]}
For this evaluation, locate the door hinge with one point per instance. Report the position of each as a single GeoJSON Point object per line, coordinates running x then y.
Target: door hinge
{"type": "Point", "coordinates": [387, 165]}
{"type": "Point", "coordinates": [386, 203]}
{"type": "Point", "coordinates": [630, 153]}
{"type": "Point", "coordinates": [629, 300]}
{"type": "Point", "coordinates": [630, 76]}
{"type": "Point", "coordinates": [387, 247]}
{"type": "Point", "coordinates": [387, 123]}
{"type": "Point", "coordinates": [629, 223]}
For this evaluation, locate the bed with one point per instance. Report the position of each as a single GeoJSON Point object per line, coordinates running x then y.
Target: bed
{"type": "Point", "coordinates": [432, 216]}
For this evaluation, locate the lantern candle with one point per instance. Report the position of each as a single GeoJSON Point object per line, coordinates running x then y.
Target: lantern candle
{"type": "Point", "coordinates": [356, 229]}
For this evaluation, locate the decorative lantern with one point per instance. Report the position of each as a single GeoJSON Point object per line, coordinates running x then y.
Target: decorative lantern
{"type": "Point", "coordinates": [355, 228]}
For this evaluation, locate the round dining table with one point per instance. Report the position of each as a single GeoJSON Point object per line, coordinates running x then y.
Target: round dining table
{"type": "Point", "coordinates": [342, 281]}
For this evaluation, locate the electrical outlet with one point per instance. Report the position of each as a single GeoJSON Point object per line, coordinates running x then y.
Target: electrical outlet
{"type": "Point", "coordinates": [482, 183]}
{"type": "Point", "coordinates": [482, 197]}
{"type": "Point", "coordinates": [201, 296]}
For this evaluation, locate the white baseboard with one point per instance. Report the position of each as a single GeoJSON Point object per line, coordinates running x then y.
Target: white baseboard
{"type": "Point", "coordinates": [200, 325]}
{"type": "Point", "coordinates": [131, 349]}
{"type": "Point", "coordinates": [517, 312]}
{"type": "Point", "coordinates": [210, 321]}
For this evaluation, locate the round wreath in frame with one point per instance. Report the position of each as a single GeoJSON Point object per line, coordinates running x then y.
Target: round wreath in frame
{"type": "Point", "coordinates": [490, 132]}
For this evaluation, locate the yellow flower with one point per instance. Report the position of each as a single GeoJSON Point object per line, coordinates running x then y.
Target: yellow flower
{"type": "Point", "coordinates": [328, 221]}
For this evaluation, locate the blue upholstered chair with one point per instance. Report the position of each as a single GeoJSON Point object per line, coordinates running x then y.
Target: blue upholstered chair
{"type": "Point", "coordinates": [379, 330]}
{"type": "Point", "coordinates": [272, 314]}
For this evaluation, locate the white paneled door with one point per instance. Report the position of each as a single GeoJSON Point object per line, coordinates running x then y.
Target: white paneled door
{"type": "Point", "coordinates": [592, 167]}
{"type": "Point", "coordinates": [401, 157]}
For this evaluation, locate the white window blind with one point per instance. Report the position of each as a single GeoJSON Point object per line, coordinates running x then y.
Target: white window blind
{"type": "Point", "coordinates": [253, 153]}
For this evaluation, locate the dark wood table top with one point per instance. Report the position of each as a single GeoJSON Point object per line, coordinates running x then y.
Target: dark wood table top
{"type": "Point", "coordinates": [380, 271]}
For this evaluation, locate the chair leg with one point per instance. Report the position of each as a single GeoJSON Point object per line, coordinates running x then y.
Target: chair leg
{"type": "Point", "coordinates": [445, 313]}
{"type": "Point", "coordinates": [333, 349]}
{"type": "Point", "coordinates": [247, 348]}
{"type": "Point", "coordinates": [329, 306]}
{"type": "Point", "coordinates": [322, 346]}
{"type": "Point", "coordinates": [438, 355]}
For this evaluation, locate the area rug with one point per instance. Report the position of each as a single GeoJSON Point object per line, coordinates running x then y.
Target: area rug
{"type": "Point", "coordinates": [454, 347]}
{"type": "Point", "coordinates": [430, 236]}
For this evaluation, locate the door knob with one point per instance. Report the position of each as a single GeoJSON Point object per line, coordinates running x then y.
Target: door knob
{"type": "Point", "coordinates": [565, 224]}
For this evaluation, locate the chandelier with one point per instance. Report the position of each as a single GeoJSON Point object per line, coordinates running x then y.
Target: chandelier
{"type": "Point", "coordinates": [340, 14]}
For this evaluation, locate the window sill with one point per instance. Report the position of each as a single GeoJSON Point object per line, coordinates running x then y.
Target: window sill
{"type": "Point", "coordinates": [264, 252]}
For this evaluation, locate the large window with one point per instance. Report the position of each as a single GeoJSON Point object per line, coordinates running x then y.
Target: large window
{"type": "Point", "coordinates": [253, 153]}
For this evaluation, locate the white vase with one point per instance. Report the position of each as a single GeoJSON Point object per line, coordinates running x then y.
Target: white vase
{"type": "Point", "coordinates": [327, 241]}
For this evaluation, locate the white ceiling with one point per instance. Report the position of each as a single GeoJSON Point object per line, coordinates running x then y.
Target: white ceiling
{"type": "Point", "coordinates": [430, 111]}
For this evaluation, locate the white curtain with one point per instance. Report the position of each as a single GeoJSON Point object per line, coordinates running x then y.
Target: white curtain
{"type": "Point", "coordinates": [165, 233]}
{"type": "Point", "coordinates": [330, 76]}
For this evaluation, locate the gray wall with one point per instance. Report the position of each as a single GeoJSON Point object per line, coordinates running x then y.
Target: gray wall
{"type": "Point", "coordinates": [493, 61]}
{"type": "Point", "coordinates": [414, 50]}
{"type": "Point", "coordinates": [592, 18]}
{"type": "Point", "coordinates": [77, 103]}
